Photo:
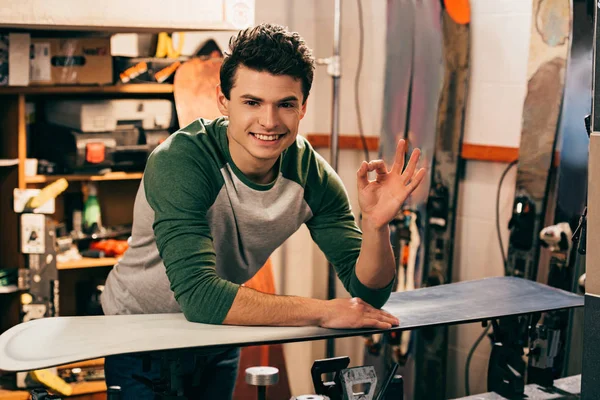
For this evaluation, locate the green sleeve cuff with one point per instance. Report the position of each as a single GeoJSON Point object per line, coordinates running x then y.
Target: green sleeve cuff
{"type": "Point", "coordinates": [375, 297]}
{"type": "Point", "coordinates": [224, 305]}
{"type": "Point", "coordinates": [213, 306]}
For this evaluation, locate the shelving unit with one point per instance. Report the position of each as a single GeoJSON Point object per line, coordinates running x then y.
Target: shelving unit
{"type": "Point", "coordinates": [116, 199]}
{"type": "Point", "coordinates": [116, 192]}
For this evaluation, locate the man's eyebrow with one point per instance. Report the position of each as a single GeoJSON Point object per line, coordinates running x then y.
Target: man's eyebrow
{"type": "Point", "coordinates": [251, 97]}
{"type": "Point", "coordinates": [289, 98]}
{"type": "Point", "coordinates": [258, 99]}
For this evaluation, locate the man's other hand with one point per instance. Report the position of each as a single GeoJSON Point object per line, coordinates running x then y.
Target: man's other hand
{"type": "Point", "coordinates": [355, 313]}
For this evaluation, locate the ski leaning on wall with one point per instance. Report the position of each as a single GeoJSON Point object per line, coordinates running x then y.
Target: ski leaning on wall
{"type": "Point", "coordinates": [424, 103]}
{"type": "Point", "coordinates": [425, 97]}
{"type": "Point", "coordinates": [548, 52]}
{"type": "Point", "coordinates": [420, 130]}
{"type": "Point", "coordinates": [565, 329]}
{"type": "Point", "coordinates": [381, 350]}
{"type": "Point", "coordinates": [546, 70]}
{"type": "Point", "coordinates": [432, 343]}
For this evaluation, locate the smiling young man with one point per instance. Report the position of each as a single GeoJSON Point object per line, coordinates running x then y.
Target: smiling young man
{"type": "Point", "coordinates": [218, 197]}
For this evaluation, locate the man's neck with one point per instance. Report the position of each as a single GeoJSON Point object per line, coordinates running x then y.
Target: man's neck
{"type": "Point", "coordinates": [258, 171]}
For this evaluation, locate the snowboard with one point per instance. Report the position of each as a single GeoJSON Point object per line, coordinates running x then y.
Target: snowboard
{"type": "Point", "coordinates": [548, 53]}
{"type": "Point", "coordinates": [432, 343]}
{"type": "Point", "coordinates": [566, 264]}
{"type": "Point", "coordinates": [546, 71]}
{"type": "Point", "coordinates": [72, 339]}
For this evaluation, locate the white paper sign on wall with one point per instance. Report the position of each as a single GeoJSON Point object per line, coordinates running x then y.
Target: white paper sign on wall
{"type": "Point", "coordinates": [239, 13]}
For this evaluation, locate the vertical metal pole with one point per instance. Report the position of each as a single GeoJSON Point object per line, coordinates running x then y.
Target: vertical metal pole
{"type": "Point", "coordinates": [335, 72]}
{"type": "Point", "coordinates": [590, 381]}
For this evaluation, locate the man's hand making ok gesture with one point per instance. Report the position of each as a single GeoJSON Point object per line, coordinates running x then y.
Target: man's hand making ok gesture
{"type": "Point", "coordinates": [381, 199]}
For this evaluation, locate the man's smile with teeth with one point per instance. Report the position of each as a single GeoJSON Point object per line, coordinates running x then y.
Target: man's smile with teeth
{"type": "Point", "coordinates": [266, 137]}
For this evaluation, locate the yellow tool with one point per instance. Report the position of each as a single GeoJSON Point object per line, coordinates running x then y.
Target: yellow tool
{"type": "Point", "coordinates": [164, 46]}
{"type": "Point", "coordinates": [51, 191]}
{"type": "Point", "coordinates": [52, 381]}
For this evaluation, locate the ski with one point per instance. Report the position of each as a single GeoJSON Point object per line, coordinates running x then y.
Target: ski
{"type": "Point", "coordinates": [422, 133]}
{"type": "Point", "coordinates": [382, 349]}
{"type": "Point", "coordinates": [566, 266]}
{"type": "Point", "coordinates": [441, 206]}
{"type": "Point", "coordinates": [548, 52]}
{"type": "Point", "coordinates": [546, 70]}
{"type": "Point", "coordinates": [424, 103]}
{"type": "Point", "coordinates": [398, 76]}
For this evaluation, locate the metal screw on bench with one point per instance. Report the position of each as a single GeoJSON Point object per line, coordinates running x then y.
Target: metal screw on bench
{"type": "Point", "coordinates": [261, 377]}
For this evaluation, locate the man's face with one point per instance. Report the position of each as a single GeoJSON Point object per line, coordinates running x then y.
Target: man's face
{"type": "Point", "coordinates": [264, 112]}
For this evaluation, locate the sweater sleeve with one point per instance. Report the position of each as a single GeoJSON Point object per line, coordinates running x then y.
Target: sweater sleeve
{"type": "Point", "coordinates": [181, 186]}
{"type": "Point", "coordinates": [334, 229]}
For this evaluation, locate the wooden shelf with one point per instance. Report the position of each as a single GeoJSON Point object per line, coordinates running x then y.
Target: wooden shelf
{"type": "Point", "coordinates": [97, 362]}
{"type": "Point", "coordinates": [139, 88]}
{"type": "Point", "coordinates": [87, 262]}
{"type": "Point", "coordinates": [111, 176]}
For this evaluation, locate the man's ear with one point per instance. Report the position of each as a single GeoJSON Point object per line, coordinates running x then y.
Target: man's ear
{"type": "Point", "coordinates": [303, 108]}
{"type": "Point", "coordinates": [222, 102]}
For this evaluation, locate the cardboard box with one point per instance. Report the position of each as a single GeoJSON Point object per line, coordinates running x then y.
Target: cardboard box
{"type": "Point", "coordinates": [14, 59]}
{"type": "Point", "coordinates": [71, 61]}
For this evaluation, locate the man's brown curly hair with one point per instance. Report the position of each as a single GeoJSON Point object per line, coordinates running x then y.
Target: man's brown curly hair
{"type": "Point", "coordinates": [268, 48]}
